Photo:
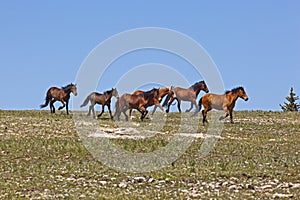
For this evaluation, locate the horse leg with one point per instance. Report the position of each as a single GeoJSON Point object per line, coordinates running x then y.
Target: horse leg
{"type": "Point", "coordinates": [61, 107]}
{"type": "Point", "coordinates": [111, 117]}
{"type": "Point", "coordinates": [204, 120]}
{"type": "Point", "coordinates": [101, 111]}
{"type": "Point", "coordinates": [171, 101]}
{"type": "Point", "coordinates": [90, 109]}
{"type": "Point", "coordinates": [157, 104]}
{"type": "Point", "coordinates": [51, 105]}
{"type": "Point", "coordinates": [130, 111]}
{"type": "Point", "coordinates": [126, 116]}
{"type": "Point", "coordinates": [52, 108]}
{"type": "Point", "coordinates": [231, 119]}
{"type": "Point", "coordinates": [178, 105]}
{"type": "Point", "coordinates": [226, 114]}
{"type": "Point", "coordinates": [67, 106]}
{"type": "Point", "coordinates": [188, 110]}
{"type": "Point", "coordinates": [154, 109]}
{"type": "Point", "coordinates": [124, 109]}
{"type": "Point", "coordinates": [204, 114]}
{"type": "Point", "coordinates": [144, 113]}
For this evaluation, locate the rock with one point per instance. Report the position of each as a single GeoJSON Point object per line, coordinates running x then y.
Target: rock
{"type": "Point", "coordinates": [151, 180]}
{"type": "Point", "coordinates": [278, 195]}
{"type": "Point", "coordinates": [139, 179]}
{"type": "Point", "coordinates": [286, 185]}
{"type": "Point", "coordinates": [122, 185]}
{"type": "Point", "coordinates": [103, 182]}
{"type": "Point", "coordinates": [296, 185]}
{"type": "Point", "coordinates": [267, 187]}
{"type": "Point", "coordinates": [225, 183]}
{"type": "Point", "coordinates": [232, 187]}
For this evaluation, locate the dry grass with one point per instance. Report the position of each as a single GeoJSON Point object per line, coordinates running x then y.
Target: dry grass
{"type": "Point", "coordinates": [42, 157]}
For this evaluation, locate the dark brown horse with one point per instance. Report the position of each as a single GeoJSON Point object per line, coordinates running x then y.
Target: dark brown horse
{"type": "Point", "coordinates": [102, 99]}
{"type": "Point", "coordinates": [224, 102]}
{"type": "Point", "coordinates": [162, 93]}
{"type": "Point", "coordinates": [139, 102]}
{"type": "Point", "coordinates": [63, 95]}
{"type": "Point", "coordinates": [186, 94]}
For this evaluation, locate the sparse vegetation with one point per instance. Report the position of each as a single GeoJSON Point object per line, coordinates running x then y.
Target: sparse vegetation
{"type": "Point", "coordinates": [258, 157]}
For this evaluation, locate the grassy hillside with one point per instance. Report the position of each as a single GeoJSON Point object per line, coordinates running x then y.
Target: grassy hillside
{"type": "Point", "coordinates": [258, 157]}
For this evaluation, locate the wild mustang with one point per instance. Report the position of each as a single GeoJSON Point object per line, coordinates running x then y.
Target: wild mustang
{"type": "Point", "coordinates": [224, 102]}
{"type": "Point", "coordinates": [186, 94]}
{"type": "Point", "coordinates": [139, 102]}
{"type": "Point", "coordinates": [63, 95]}
{"type": "Point", "coordinates": [102, 99]}
{"type": "Point", "coordinates": [162, 93]}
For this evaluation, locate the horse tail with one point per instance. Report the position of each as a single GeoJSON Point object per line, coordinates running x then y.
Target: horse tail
{"type": "Point", "coordinates": [86, 101]}
{"type": "Point", "coordinates": [48, 97]}
{"type": "Point", "coordinates": [165, 103]}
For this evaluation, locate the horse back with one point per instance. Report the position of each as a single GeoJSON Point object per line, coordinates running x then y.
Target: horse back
{"type": "Point", "coordinates": [215, 101]}
{"type": "Point", "coordinates": [56, 93]}
{"type": "Point", "coordinates": [138, 92]}
{"type": "Point", "coordinates": [184, 94]}
{"type": "Point", "coordinates": [98, 98]}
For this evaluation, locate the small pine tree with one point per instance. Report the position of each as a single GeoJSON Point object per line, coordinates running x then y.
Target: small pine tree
{"type": "Point", "coordinates": [292, 104]}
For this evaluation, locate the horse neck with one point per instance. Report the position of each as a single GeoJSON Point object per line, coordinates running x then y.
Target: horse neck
{"type": "Point", "coordinates": [108, 95]}
{"type": "Point", "coordinates": [197, 91]}
{"type": "Point", "coordinates": [234, 96]}
{"type": "Point", "coordinates": [67, 91]}
{"type": "Point", "coordinates": [163, 92]}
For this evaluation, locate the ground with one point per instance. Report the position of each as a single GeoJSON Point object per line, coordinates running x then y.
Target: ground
{"type": "Point", "coordinates": [42, 157]}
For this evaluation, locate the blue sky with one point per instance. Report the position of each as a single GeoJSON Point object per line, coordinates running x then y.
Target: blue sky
{"type": "Point", "coordinates": [255, 44]}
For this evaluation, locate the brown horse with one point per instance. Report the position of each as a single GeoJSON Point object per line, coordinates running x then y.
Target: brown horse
{"type": "Point", "coordinates": [224, 102]}
{"type": "Point", "coordinates": [186, 94]}
{"type": "Point", "coordinates": [103, 99]}
{"type": "Point", "coordinates": [63, 95]}
{"type": "Point", "coordinates": [162, 93]}
{"type": "Point", "coordinates": [139, 102]}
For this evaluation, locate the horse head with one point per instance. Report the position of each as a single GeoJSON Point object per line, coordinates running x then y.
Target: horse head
{"type": "Point", "coordinates": [74, 89]}
{"type": "Point", "coordinates": [204, 86]}
{"type": "Point", "coordinates": [242, 94]}
{"type": "Point", "coordinates": [115, 93]}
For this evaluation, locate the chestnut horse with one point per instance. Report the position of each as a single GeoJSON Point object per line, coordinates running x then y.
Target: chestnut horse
{"type": "Point", "coordinates": [186, 94]}
{"type": "Point", "coordinates": [63, 95]}
{"type": "Point", "coordinates": [103, 99]}
{"type": "Point", "coordinates": [139, 102]}
{"type": "Point", "coordinates": [224, 102]}
{"type": "Point", "coordinates": [162, 93]}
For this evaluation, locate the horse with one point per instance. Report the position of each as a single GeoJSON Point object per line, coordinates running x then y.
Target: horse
{"type": "Point", "coordinates": [186, 94]}
{"type": "Point", "coordinates": [103, 99]}
{"type": "Point", "coordinates": [162, 93]}
{"type": "Point", "coordinates": [63, 95]}
{"type": "Point", "coordinates": [139, 102]}
{"type": "Point", "coordinates": [224, 102]}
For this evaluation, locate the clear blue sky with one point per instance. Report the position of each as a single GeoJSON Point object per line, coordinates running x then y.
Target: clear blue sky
{"type": "Point", "coordinates": [255, 44]}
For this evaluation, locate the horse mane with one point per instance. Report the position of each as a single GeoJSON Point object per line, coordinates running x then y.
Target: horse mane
{"type": "Point", "coordinates": [67, 87]}
{"type": "Point", "coordinates": [108, 91]}
{"type": "Point", "coordinates": [235, 90]}
{"type": "Point", "coordinates": [150, 93]}
{"type": "Point", "coordinates": [195, 84]}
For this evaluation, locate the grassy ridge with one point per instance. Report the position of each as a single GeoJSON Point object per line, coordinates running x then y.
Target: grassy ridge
{"type": "Point", "coordinates": [41, 156]}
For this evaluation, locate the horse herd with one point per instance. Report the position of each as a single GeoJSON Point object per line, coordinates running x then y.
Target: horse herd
{"type": "Point", "coordinates": [141, 100]}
